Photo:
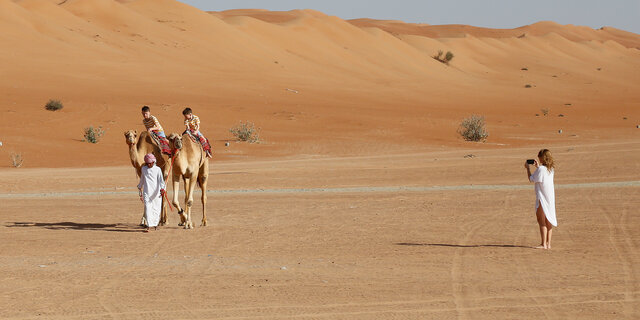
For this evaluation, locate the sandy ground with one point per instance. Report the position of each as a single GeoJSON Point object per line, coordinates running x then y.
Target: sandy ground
{"type": "Point", "coordinates": [361, 200]}
{"type": "Point", "coordinates": [288, 239]}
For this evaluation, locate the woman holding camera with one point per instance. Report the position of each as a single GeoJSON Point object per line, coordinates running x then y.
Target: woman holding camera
{"type": "Point", "coordinates": [545, 195]}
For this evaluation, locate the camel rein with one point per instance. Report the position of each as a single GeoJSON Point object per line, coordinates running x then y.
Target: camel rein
{"type": "Point", "coordinates": [167, 180]}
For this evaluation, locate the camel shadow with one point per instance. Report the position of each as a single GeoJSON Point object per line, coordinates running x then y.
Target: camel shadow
{"type": "Point", "coordinates": [77, 226]}
{"type": "Point", "coordinates": [461, 245]}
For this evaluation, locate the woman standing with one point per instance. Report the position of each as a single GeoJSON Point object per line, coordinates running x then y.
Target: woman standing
{"type": "Point", "coordinates": [545, 195]}
{"type": "Point", "coordinates": [151, 188]}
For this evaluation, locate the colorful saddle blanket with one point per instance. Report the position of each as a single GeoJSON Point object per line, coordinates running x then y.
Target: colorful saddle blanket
{"type": "Point", "coordinates": [162, 142]}
{"type": "Point", "coordinates": [199, 138]}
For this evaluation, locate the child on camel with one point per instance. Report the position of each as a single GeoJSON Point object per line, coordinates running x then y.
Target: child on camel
{"type": "Point", "coordinates": [192, 124]}
{"type": "Point", "coordinates": [153, 127]}
{"type": "Point", "coordinates": [151, 189]}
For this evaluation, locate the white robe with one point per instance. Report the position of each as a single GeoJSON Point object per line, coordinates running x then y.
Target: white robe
{"type": "Point", "coordinates": [545, 193]}
{"type": "Point", "coordinates": [151, 182]}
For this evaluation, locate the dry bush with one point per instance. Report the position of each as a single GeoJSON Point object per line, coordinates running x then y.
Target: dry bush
{"type": "Point", "coordinates": [246, 131]}
{"type": "Point", "coordinates": [53, 105]}
{"type": "Point", "coordinates": [16, 160]}
{"type": "Point", "coordinates": [473, 129]}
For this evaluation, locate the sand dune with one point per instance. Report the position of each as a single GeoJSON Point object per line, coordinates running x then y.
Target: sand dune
{"type": "Point", "coordinates": [363, 86]}
{"type": "Point", "coordinates": [360, 202]}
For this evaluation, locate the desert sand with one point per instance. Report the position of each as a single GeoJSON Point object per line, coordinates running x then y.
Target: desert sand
{"type": "Point", "coordinates": [361, 201]}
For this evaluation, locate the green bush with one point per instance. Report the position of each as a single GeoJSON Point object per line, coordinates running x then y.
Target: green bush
{"type": "Point", "coordinates": [53, 105]}
{"type": "Point", "coordinates": [92, 134]}
{"type": "Point", "coordinates": [473, 129]}
{"type": "Point", "coordinates": [246, 132]}
{"type": "Point", "coordinates": [447, 57]}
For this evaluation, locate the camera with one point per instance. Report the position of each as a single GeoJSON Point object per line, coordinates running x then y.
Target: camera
{"type": "Point", "coordinates": [530, 161]}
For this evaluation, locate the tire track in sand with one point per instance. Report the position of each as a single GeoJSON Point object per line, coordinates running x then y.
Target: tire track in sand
{"type": "Point", "coordinates": [525, 267]}
{"type": "Point", "coordinates": [457, 278]}
{"type": "Point", "coordinates": [620, 251]}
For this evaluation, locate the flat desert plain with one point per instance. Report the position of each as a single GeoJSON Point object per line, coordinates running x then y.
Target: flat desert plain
{"type": "Point", "coordinates": [361, 200]}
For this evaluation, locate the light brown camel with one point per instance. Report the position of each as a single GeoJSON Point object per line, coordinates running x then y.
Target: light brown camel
{"type": "Point", "coordinates": [139, 146]}
{"type": "Point", "coordinates": [191, 163]}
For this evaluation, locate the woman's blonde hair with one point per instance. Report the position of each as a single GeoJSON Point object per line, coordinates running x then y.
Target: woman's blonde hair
{"type": "Point", "coordinates": [546, 159]}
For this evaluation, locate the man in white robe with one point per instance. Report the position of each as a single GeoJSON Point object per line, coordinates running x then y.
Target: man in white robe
{"type": "Point", "coordinates": [151, 188]}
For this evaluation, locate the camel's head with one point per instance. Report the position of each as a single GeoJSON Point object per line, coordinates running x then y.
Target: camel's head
{"type": "Point", "coordinates": [176, 141]}
{"type": "Point", "coordinates": [130, 136]}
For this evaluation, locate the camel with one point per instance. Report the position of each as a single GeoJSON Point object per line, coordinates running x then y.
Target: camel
{"type": "Point", "coordinates": [139, 146]}
{"type": "Point", "coordinates": [191, 163]}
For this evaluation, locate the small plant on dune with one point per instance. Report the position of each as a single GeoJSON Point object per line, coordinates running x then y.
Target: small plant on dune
{"type": "Point", "coordinates": [473, 129]}
{"type": "Point", "coordinates": [92, 134]}
{"type": "Point", "coordinates": [545, 111]}
{"type": "Point", "coordinates": [447, 57]}
{"type": "Point", "coordinates": [16, 160]}
{"type": "Point", "coordinates": [53, 105]}
{"type": "Point", "coordinates": [246, 131]}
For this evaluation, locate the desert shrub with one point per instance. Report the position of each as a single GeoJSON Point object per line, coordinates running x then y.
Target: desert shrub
{"type": "Point", "coordinates": [92, 134]}
{"type": "Point", "coordinates": [545, 111]}
{"type": "Point", "coordinates": [246, 131]}
{"type": "Point", "coordinates": [447, 57]}
{"type": "Point", "coordinates": [527, 86]}
{"type": "Point", "coordinates": [16, 160]}
{"type": "Point", "coordinates": [53, 105]}
{"type": "Point", "coordinates": [473, 128]}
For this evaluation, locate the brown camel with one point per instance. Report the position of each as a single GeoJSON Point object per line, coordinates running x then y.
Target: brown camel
{"type": "Point", "coordinates": [191, 163]}
{"type": "Point", "coordinates": [139, 146]}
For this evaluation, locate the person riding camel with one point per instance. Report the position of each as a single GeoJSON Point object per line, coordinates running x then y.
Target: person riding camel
{"type": "Point", "coordinates": [192, 124]}
{"type": "Point", "coordinates": [153, 126]}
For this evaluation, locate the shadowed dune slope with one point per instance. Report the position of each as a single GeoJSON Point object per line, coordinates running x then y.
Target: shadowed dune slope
{"type": "Point", "coordinates": [315, 84]}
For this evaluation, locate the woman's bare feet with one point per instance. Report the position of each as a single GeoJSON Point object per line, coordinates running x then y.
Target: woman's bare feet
{"type": "Point", "coordinates": [540, 247]}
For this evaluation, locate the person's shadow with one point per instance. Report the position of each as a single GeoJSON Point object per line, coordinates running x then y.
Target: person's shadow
{"type": "Point", "coordinates": [119, 227]}
{"type": "Point", "coordinates": [461, 245]}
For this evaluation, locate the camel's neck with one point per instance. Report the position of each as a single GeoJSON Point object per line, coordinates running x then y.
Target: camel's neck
{"type": "Point", "coordinates": [134, 155]}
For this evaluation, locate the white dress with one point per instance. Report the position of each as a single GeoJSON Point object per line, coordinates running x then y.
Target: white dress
{"type": "Point", "coordinates": [151, 182]}
{"type": "Point", "coordinates": [545, 193]}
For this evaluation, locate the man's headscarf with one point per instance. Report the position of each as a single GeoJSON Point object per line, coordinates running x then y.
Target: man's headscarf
{"type": "Point", "coordinates": [149, 158]}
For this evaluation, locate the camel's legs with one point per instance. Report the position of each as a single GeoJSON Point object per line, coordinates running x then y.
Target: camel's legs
{"type": "Point", "coordinates": [202, 182]}
{"type": "Point", "coordinates": [189, 185]}
{"type": "Point", "coordinates": [192, 186]}
{"type": "Point", "coordinates": [176, 190]}
{"type": "Point", "coordinates": [163, 215]}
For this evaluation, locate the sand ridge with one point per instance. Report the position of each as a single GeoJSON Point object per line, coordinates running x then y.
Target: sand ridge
{"type": "Point", "coordinates": [314, 83]}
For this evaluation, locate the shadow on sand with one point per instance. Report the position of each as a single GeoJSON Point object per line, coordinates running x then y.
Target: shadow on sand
{"type": "Point", "coordinates": [77, 226]}
{"type": "Point", "coordinates": [461, 245]}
